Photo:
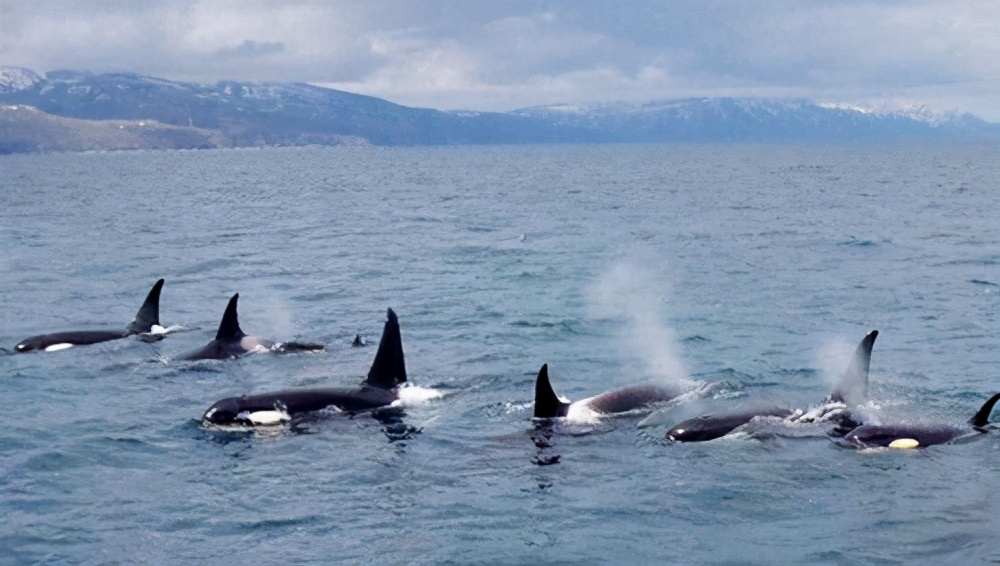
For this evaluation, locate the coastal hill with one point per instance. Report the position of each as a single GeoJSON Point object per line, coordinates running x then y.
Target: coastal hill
{"type": "Point", "coordinates": [71, 111]}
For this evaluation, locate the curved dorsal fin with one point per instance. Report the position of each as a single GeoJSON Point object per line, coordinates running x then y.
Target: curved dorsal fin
{"type": "Point", "coordinates": [852, 388]}
{"type": "Point", "coordinates": [389, 369]}
{"type": "Point", "coordinates": [149, 312]}
{"type": "Point", "coordinates": [229, 328]}
{"type": "Point", "coordinates": [982, 418]}
{"type": "Point", "coordinates": [547, 403]}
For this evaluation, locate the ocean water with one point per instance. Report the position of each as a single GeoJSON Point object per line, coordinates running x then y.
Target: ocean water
{"type": "Point", "coordinates": [746, 272]}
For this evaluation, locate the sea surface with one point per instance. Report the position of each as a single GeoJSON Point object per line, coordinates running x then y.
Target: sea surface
{"type": "Point", "coordinates": [746, 272]}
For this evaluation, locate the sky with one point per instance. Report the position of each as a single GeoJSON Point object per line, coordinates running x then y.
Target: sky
{"type": "Point", "coordinates": [504, 55]}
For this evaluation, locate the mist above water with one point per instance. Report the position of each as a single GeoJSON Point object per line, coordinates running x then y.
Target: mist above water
{"type": "Point", "coordinates": [638, 296]}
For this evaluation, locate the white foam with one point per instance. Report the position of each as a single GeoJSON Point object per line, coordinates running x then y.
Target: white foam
{"type": "Point", "coordinates": [511, 408]}
{"type": "Point", "coordinates": [57, 347]}
{"type": "Point", "coordinates": [416, 395]}
{"type": "Point", "coordinates": [157, 330]}
{"type": "Point", "coordinates": [580, 412]}
{"type": "Point", "coordinates": [818, 413]}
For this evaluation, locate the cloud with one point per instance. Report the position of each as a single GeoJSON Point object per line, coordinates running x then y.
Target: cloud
{"type": "Point", "coordinates": [251, 49]}
{"type": "Point", "coordinates": [519, 53]}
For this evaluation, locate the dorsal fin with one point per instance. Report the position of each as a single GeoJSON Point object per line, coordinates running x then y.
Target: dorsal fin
{"type": "Point", "coordinates": [852, 388]}
{"type": "Point", "coordinates": [149, 312]}
{"type": "Point", "coordinates": [547, 403]}
{"type": "Point", "coordinates": [389, 369]}
{"type": "Point", "coordinates": [982, 418]}
{"type": "Point", "coordinates": [229, 328]}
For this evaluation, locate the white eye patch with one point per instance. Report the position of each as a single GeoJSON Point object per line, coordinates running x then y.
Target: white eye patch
{"type": "Point", "coordinates": [265, 418]}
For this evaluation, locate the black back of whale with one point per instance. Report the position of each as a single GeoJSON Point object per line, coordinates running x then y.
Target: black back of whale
{"type": "Point", "coordinates": [853, 386]}
{"type": "Point", "coordinates": [709, 427]}
{"type": "Point", "coordinates": [871, 436]}
{"type": "Point", "coordinates": [148, 315]}
{"type": "Point", "coordinates": [548, 405]}
{"type": "Point", "coordinates": [387, 373]}
{"type": "Point", "coordinates": [229, 340]}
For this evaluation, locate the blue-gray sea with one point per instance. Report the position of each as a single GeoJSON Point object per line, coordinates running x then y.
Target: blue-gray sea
{"type": "Point", "coordinates": [749, 271]}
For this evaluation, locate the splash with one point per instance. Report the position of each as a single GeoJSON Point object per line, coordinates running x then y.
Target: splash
{"type": "Point", "coordinates": [833, 359]}
{"type": "Point", "coordinates": [634, 292]}
{"type": "Point", "coordinates": [410, 395]}
{"type": "Point", "coordinates": [275, 318]}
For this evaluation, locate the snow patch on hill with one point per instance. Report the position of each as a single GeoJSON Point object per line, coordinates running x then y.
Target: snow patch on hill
{"type": "Point", "coordinates": [14, 79]}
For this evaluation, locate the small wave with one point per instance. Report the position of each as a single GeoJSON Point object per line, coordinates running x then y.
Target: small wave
{"type": "Point", "coordinates": [269, 524]}
{"type": "Point", "coordinates": [856, 242]}
{"type": "Point", "coordinates": [983, 282]}
{"type": "Point", "coordinates": [510, 408]}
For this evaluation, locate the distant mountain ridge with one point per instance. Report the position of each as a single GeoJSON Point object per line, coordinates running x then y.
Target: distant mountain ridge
{"type": "Point", "coordinates": [242, 114]}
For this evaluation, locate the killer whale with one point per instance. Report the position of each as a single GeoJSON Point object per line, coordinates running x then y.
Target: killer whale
{"type": "Point", "coordinates": [710, 427]}
{"type": "Point", "coordinates": [548, 405]}
{"type": "Point", "coordinates": [231, 342]}
{"type": "Point", "coordinates": [146, 321]}
{"type": "Point", "coordinates": [379, 389]}
{"type": "Point", "coordinates": [918, 436]}
{"type": "Point", "coordinates": [850, 389]}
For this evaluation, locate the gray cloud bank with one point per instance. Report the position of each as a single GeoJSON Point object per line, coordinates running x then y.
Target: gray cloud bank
{"type": "Point", "coordinates": [512, 54]}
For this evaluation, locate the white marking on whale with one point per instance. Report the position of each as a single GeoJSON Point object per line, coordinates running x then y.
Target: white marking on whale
{"type": "Point", "coordinates": [57, 347]}
{"type": "Point", "coordinates": [264, 418]}
{"type": "Point", "coordinates": [904, 443]}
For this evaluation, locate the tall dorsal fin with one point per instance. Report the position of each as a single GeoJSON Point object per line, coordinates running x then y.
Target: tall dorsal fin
{"type": "Point", "coordinates": [389, 369]}
{"type": "Point", "coordinates": [852, 388]}
{"type": "Point", "coordinates": [547, 403]}
{"type": "Point", "coordinates": [229, 328]}
{"type": "Point", "coordinates": [982, 418]}
{"type": "Point", "coordinates": [149, 312]}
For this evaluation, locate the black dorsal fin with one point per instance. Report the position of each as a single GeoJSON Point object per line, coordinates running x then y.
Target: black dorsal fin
{"type": "Point", "coordinates": [982, 418]}
{"type": "Point", "coordinates": [852, 388]}
{"type": "Point", "coordinates": [229, 328]}
{"type": "Point", "coordinates": [547, 403]}
{"type": "Point", "coordinates": [389, 369]}
{"type": "Point", "coordinates": [149, 312]}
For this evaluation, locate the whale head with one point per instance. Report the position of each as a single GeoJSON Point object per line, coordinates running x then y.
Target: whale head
{"type": "Point", "coordinates": [224, 412]}
{"type": "Point", "coordinates": [242, 411]}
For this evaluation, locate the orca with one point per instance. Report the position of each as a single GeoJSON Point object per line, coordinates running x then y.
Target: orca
{"type": "Point", "coordinates": [231, 342]}
{"type": "Point", "coordinates": [145, 323]}
{"type": "Point", "coordinates": [548, 405]}
{"type": "Point", "coordinates": [919, 436]}
{"type": "Point", "coordinates": [851, 389]}
{"type": "Point", "coordinates": [710, 427]}
{"type": "Point", "coordinates": [379, 389]}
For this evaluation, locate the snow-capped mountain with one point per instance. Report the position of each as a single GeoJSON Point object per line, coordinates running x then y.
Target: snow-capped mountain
{"type": "Point", "coordinates": [257, 114]}
{"type": "Point", "coordinates": [13, 79]}
{"type": "Point", "coordinates": [761, 119]}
